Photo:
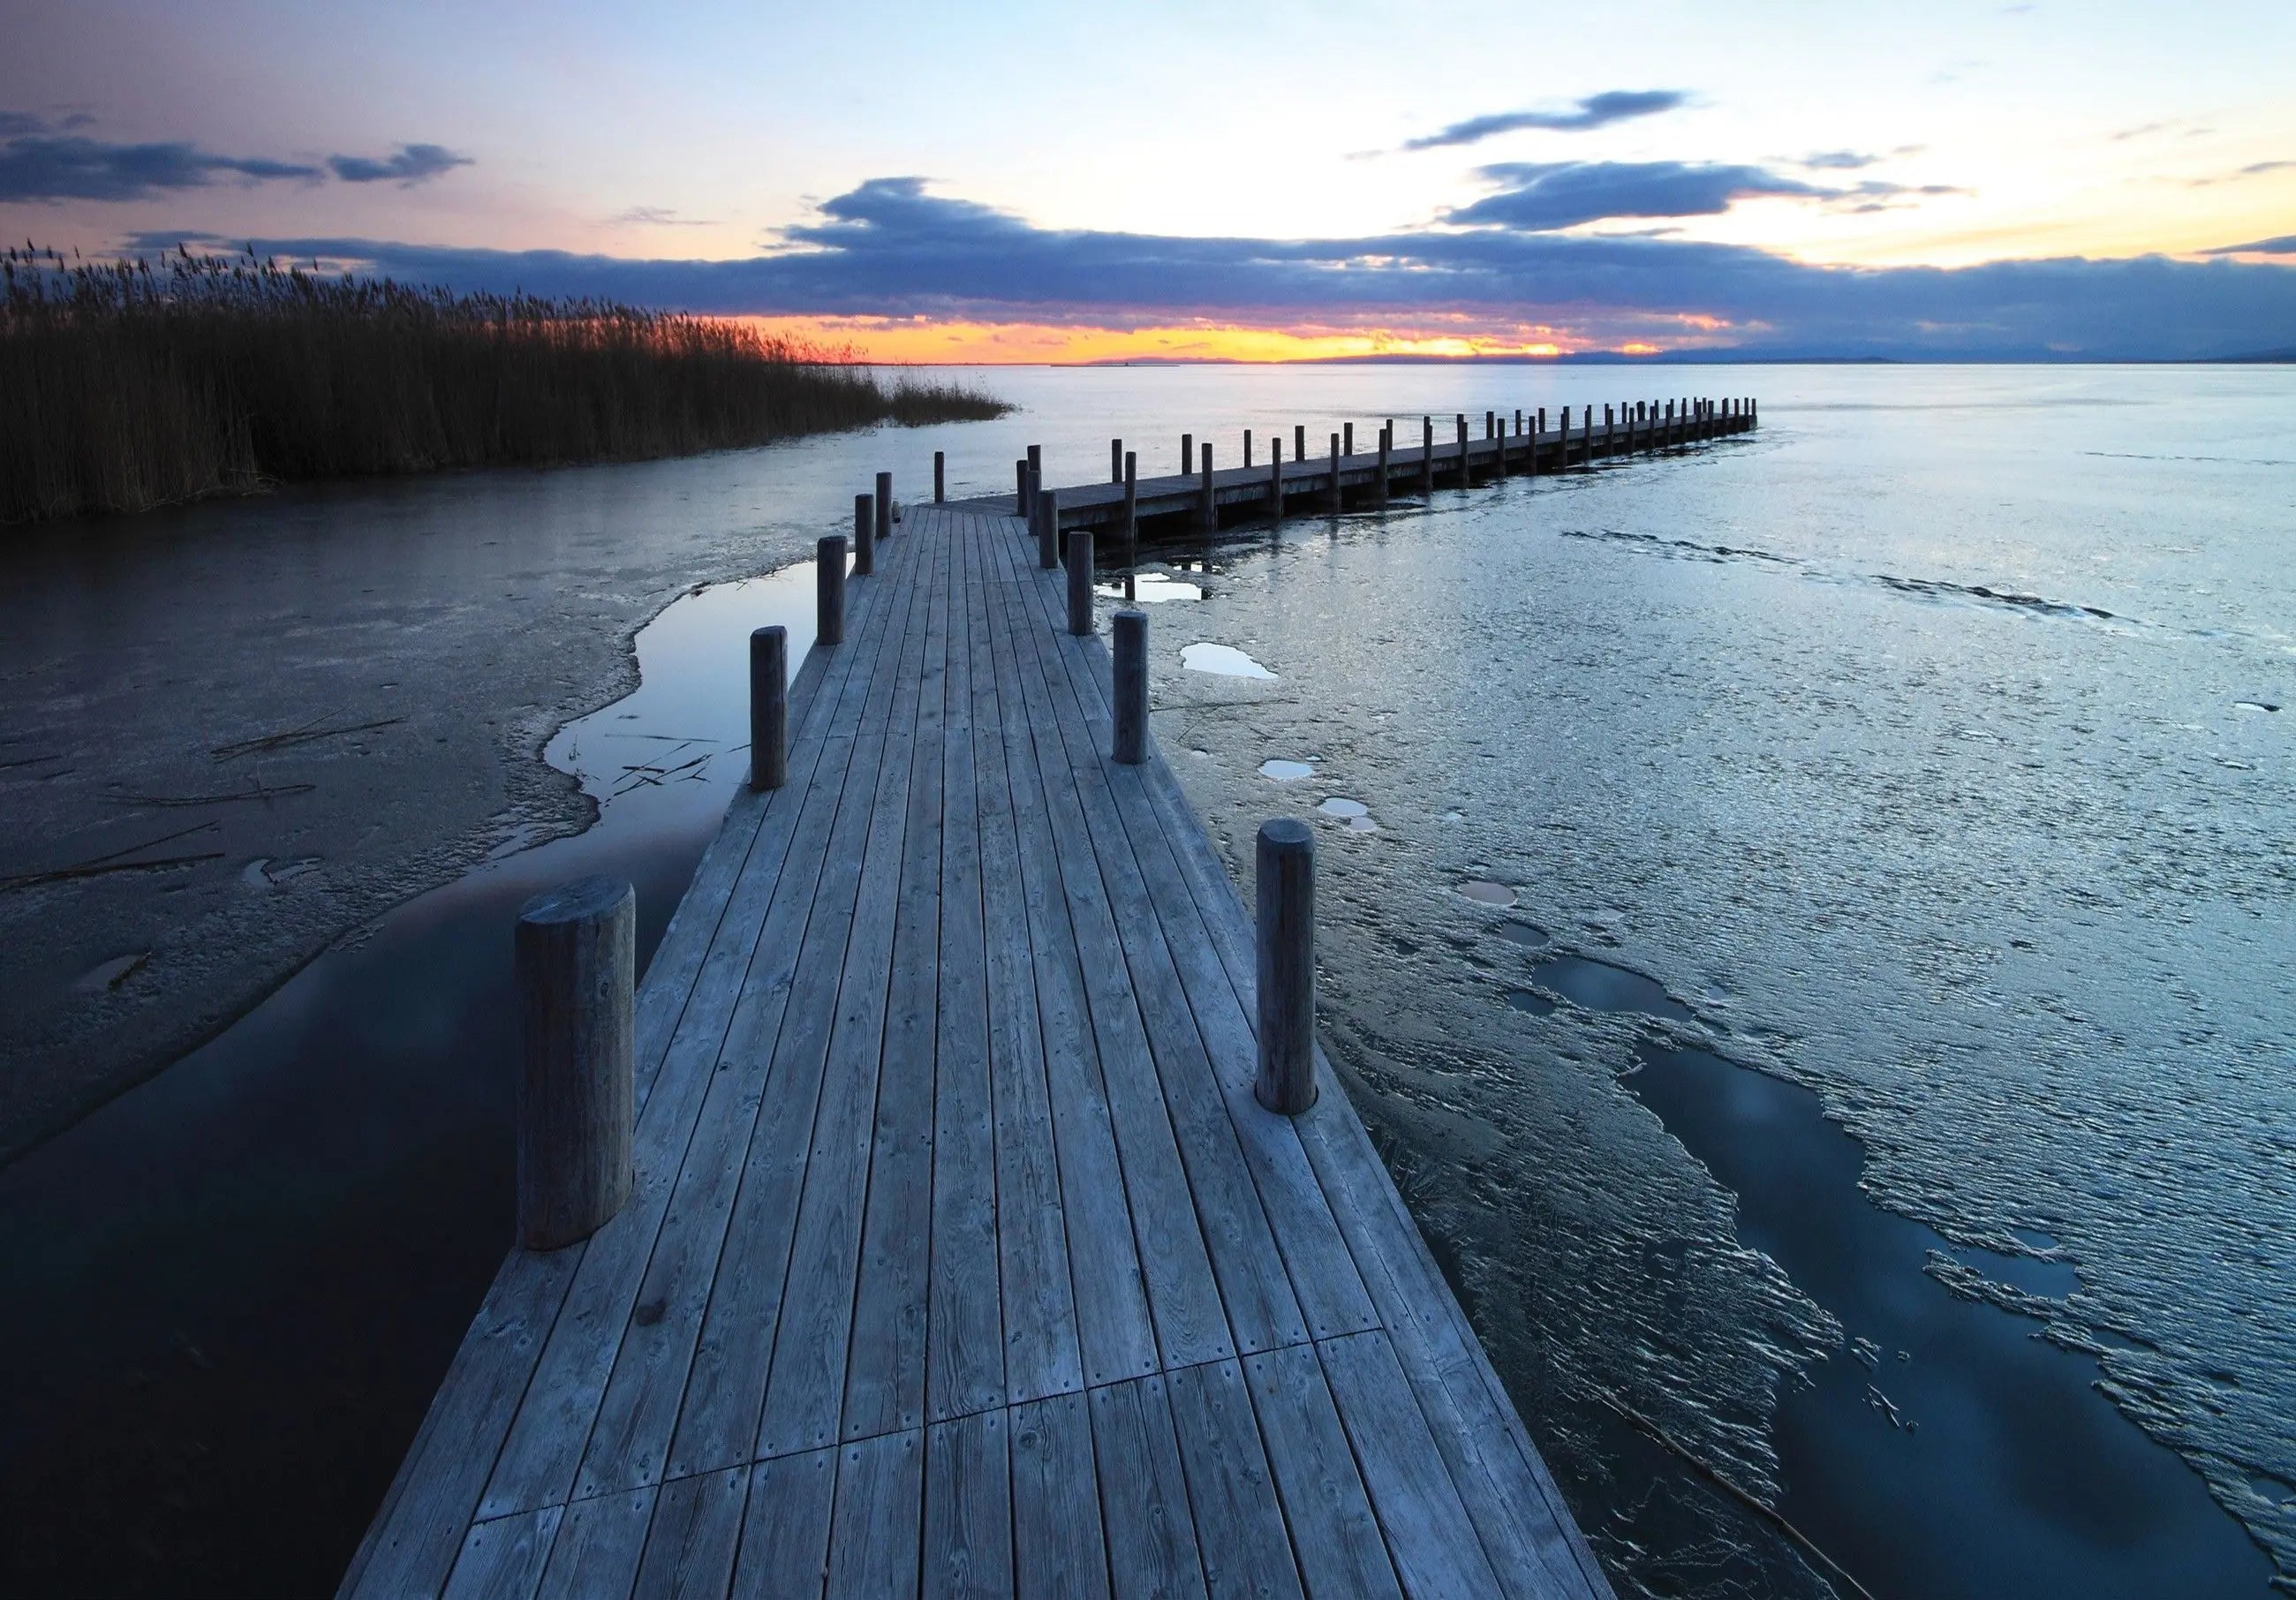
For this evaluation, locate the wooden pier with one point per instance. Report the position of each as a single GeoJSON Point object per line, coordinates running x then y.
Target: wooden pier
{"type": "Point", "coordinates": [1454, 452]}
{"type": "Point", "coordinates": [961, 1258]}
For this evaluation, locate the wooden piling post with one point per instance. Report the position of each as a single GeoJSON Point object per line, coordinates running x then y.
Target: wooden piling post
{"type": "Point", "coordinates": [1187, 453]}
{"type": "Point", "coordinates": [1207, 508]}
{"type": "Point", "coordinates": [865, 535]}
{"type": "Point", "coordinates": [1021, 486]}
{"type": "Point", "coordinates": [1130, 743]}
{"type": "Point", "coordinates": [1335, 475]}
{"type": "Point", "coordinates": [1116, 461]}
{"type": "Point", "coordinates": [1465, 477]}
{"type": "Point", "coordinates": [829, 591]}
{"type": "Point", "coordinates": [1247, 447]}
{"type": "Point", "coordinates": [1035, 471]}
{"type": "Point", "coordinates": [768, 708]}
{"type": "Point", "coordinates": [884, 506]}
{"type": "Point", "coordinates": [1562, 439]}
{"type": "Point", "coordinates": [1276, 478]}
{"type": "Point", "coordinates": [1299, 441]}
{"type": "Point", "coordinates": [1079, 551]}
{"type": "Point", "coordinates": [1427, 456]}
{"type": "Point", "coordinates": [940, 477]}
{"type": "Point", "coordinates": [1286, 873]}
{"type": "Point", "coordinates": [1386, 451]}
{"type": "Point", "coordinates": [576, 953]}
{"type": "Point", "coordinates": [1348, 438]}
{"type": "Point", "coordinates": [1048, 528]}
{"type": "Point", "coordinates": [1588, 456]}
{"type": "Point", "coordinates": [1131, 508]}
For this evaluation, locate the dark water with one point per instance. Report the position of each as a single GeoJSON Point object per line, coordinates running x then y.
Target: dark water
{"type": "Point", "coordinates": [239, 1284]}
{"type": "Point", "coordinates": [1787, 905]}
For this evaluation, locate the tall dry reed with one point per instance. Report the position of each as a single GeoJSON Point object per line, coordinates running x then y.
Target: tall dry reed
{"type": "Point", "coordinates": [124, 386]}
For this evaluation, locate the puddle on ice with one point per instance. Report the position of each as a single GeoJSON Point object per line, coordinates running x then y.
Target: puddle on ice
{"type": "Point", "coordinates": [1599, 986]}
{"type": "Point", "coordinates": [1285, 772]}
{"type": "Point", "coordinates": [1484, 893]}
{"type": "Point", "coordinates": [1352, 813]}
{"type": "Point", "coordinates": [1225, 660]}
{"type": "Point", "coordinates": [1937, 1401]}
{"type": "Point", "coordinates": [1526, 934]}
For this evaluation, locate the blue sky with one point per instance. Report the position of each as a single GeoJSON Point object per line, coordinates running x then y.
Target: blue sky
{"type": "Point", "coordinates": [1025, 181]}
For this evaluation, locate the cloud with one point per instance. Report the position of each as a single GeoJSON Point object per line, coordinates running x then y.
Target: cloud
{"type": "Point", "coordinates": [41, 162]}
{"type": "Point", "coordinates": [1541, 197]}
{"type": "Point", "coordinates": [659, 217]}
{"type": "Point", "coordinates": [1595, 111]}
{"type": "Point", "coordinates": [2285, 245]}
{"type": "Point", "coordinates": [413, 164]}
{"type": "Point", "coordinates": [1839, 160]}
{"type": "Point", "coordinates": [889, 248]}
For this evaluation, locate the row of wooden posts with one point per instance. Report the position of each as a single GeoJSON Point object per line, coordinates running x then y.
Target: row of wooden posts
{"type": "Point", "coordinates": [576, 945]}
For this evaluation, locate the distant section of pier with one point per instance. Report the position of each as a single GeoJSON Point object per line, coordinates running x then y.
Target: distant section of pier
{"type": "Point", "coordinates": [955, 1248]}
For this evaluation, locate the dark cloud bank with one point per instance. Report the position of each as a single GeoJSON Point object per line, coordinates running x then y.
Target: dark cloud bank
{"type": "Point", "coordinates": [888, 248]}
{"type": "Point", "coordinates": [40, 161]}
{"type": "Point", "coordinates": [1596, 110]}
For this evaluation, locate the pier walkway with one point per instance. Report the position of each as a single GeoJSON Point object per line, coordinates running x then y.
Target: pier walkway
{"type": "Point", "coordinates": [962, 1260]}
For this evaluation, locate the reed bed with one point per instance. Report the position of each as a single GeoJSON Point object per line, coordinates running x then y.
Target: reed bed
{"type": "Point", "coordinates": [126, 386]}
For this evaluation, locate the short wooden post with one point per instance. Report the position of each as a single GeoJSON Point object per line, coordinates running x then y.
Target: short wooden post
{"type": "Point", "coordinates": [1276, 478]}
{"type": "Point", "coordinates": [1048, 528]}
{"type": "Point", "coordinates": [1532, 422]}
{"type": "Point", "coordinates": [1498, 445]}
{"type": "Point", "coordinates": [941, 476]}
{"type": "Point", "coordinates": [1131, 508]}
{"type": "Point", "coordinates": [829, 591]}
{"type": "Point", "coordinates": [1206, 509]}
{"type": "Point", "coordinates": [1116, 461]}
{"type": "Point", "coordinates": [1608, 446]}
{"type": "Point", "coordinates": [1386, 450]}
{"type": "Point", "coordinates": [1286, 864]}
{"type": "Point", "coordinates": [884, 506]}
{"type": "Point", "coordinates": [1563, 440]}
{"type": "Point", "coordinates": [576, 950]}
{"type": "Point", "coordinates": [865, 535]}
{"type": "Point", "coordinates": [1021, 486]}
{"type": "Point", "coordinates": [1335, 475]}
{"type": "Point", "coordinates": [1247, 447]}
{"type": "Point", "coordinates": [1035, 471]}
{"type": "Point", "coordinates": [1187, 453]}
{"type": "Point", "coordinates": [1130, 743]}
{"type": "Point", "coordinates": [1427, 456]}
{"type": "Point", "coordinates": [1465, 475]}
{"type": "Point", "coordinates": [768, 707]}
{"type": "Point", "coordinates": [1348, 438]}
{"type": "Point", "coordinates": [1587, 431]}
{"type": "Point", "coordinates": [1080, 552]}
{"type": "Point", "coordinates": [1299, 441]}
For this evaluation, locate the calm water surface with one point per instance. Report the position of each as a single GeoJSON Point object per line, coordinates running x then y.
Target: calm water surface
{"type": "Point", "coordinates": [1857, 1079]}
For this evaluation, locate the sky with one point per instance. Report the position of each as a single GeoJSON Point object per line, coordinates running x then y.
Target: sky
{"type": "Point", "coordinates": [1031, 183]}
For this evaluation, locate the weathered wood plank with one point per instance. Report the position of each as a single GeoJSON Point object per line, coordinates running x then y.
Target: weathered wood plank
{"type": "Point", "coordinates": [725, 1385]}
{"type": "Point", "coordinates": [885, 1351]}
{"type": "Point", "coordinates": [805, 1389]}
{"type": "Point", "coordinates": [1036, 1301]}
{"type": "Point", "coordinates": [1434, 1544]}
{"type": "Point", "coordinates": [1144, 1494]}
{"type": "Point", "coordinates": [1240, 1526]}
{"type": "Point", "coordinates": [1057, 1552]}
{"type": "Point", "coordinates": [785, 1527]}
{"type": "Point", "coordinates": [502, 1559]}
{"type": "Point", "coordinates": [964, 1360]}
{"type": "Point", "coordinates": [598, 1545]}
{"type": "Point", "coordinates": [689, 1547]}
{"type": "Point", "coordinates": [875, 1532]}
{"type": "Point", "coordinates": [1334, 1532]}
{"type": "Point", "coordinates": [968, 1531]}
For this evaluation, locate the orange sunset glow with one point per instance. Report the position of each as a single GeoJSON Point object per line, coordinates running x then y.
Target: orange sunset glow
{"type": "Point", "coordinates": [901, 341]}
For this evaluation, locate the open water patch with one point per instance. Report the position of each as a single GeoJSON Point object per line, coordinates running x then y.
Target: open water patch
{"type": "Point", "coordinates": [1286, 772]}
{"type": "Point", "coordinates": [1225, 659]}
{"type": "Point", "coordinates": [1941, 1410]}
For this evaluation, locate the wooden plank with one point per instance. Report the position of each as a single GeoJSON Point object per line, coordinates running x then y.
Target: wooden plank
{"type": "Point", "coordinates": [885, 1352]}
{"type": "Point", "coordinates": [1433, 1543]}
{"type": "Point", "coordinates": [785, 1527]}
{"type": "Point", "coordinates": [502, 1559]}
{"type": "Point", "coordinates": [1182, 1294]}
{"type": "Point", "coordinates": [1129, 954]}
{"type": "Point", "coordinates": [1240, 1527]}
{"type": "Point", "coordinates": [873, 1534]}
{"type": "Point", "coordinates": [1144, 1494]}
{"type": "Point", "coordinates": [968, 1528]}
{"type": "Point", "coordinates": [964, 1360]}
{"type": "Point", "coordinates": [598, 1545]}
{"type": "Point", "coordinates": [539, 1459]}
{"type": "Point", "coordinates": [725, 1385]}
{"type": "Point", "coordinates": [1114, 1324]}
{"type": "Point", "coordinates": [1331, 1295]}
{"type": "Point", "coordinates": [689, 1549]}
{"type": "Point", "coordinates": [630, 1439]}
{"type": "Point", "coordinates": [1057, 1551]}
{"type": "Point", "coordinates": [805, 1389]}
{"type": "Point", "coordinates": [1036, 1301]}
{"type": "Point", "coordinates": [1334, 1533]}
